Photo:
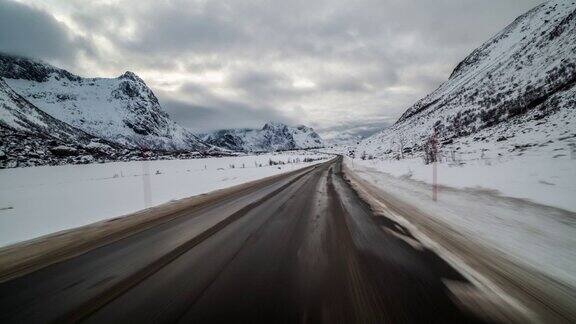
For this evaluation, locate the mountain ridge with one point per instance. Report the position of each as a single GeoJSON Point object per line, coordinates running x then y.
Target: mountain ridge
{"type": "Point", "coordinates": [523, 75]}
{"type": "Point", "coordinates": [273, 136]}
{"type": "Point", "coordinates": [121, 110]}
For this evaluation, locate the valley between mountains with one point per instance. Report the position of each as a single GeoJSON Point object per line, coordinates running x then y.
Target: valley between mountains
{"type": "Point", "coordinates": [462, 210]}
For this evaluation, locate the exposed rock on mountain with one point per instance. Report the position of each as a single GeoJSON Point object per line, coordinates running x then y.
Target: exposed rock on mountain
{"type": "Point", "coordinates": [20, 115]}
{"type": "Point", "coordinates": [272, 137]}
{"type": "Point", "coordinates": [518, 88]}
{"type": "Point", "coordinates": [21, 148]}
{"type": "Point", "coordinates": [121, 110]}
{"type": "Point", "coordinates": [31, 137]}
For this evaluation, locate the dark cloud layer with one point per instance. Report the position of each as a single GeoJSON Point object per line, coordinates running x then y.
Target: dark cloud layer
{"type": "Point", "coordinates": [219, 114]}
{"type": "Point", "coordinates": [31, 32]}
{"type": "Point", "coordinates": [345, 67]}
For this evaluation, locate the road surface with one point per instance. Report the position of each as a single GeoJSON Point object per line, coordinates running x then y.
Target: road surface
{"type": "Point", "coordinates": [304, 249]}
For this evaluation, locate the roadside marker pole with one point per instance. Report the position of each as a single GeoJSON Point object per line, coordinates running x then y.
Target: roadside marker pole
{"type": "Point", "coordinates": [434, 168]}
{"type": "Point", "coordinates": [434, 184]}
{"type": "Point", "coordinates": [146, 183]}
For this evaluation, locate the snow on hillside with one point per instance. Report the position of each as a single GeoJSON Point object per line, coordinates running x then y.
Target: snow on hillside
{"type": "Point", "coordinates": [305, 137]}
{"type": "Point", "coordinates": [272, 137]}
{"type": "Point", "coordinates": [74, 195]}
{"type": "Point", "coordinates": [18, 114]}
{"type": "Point", "coordinates": [122, 110]}
{"type": "Point", "coordinates": [31, 137]}
{"type": "Point", "coordinates": [525, 75]}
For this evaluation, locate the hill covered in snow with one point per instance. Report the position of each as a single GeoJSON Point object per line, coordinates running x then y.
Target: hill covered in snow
{"type": "Point", "coordinates": [120, 110]}
{"type": "Point", "coordinates": [272, 137]}
{"type": "Point", "coordinates": [32, 137]}
{"type": "Point", "coordinates": [18, 114]}
{"type": "Point", "coordinates": [516, 91]}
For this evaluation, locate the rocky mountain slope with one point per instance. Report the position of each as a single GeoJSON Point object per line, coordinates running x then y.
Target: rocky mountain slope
{"type": "Point", "coordinates": [120, 110]}
{"type": "Point", "coordinates": [19, 114]}
{"type": "Point", "coordinates": [516, 91]}
{"type": "Point", "coordinates": [30, 137]}
{"type": "Point", "coordinates": [272, 137]}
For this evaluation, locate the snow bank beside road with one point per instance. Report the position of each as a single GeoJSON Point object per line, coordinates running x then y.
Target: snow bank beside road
{"type": "Point", "coordinates": [41, 200]}
{"type": "Point", "coordinates": [534, 176]}
{"type": "Point", "coordinates": [538, 236]}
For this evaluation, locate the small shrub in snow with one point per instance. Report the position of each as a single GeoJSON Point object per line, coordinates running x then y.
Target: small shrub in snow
{"type": "Point", "coordinates": [430, 150]}
{"type": "Point", "coordinates": [63, 150]}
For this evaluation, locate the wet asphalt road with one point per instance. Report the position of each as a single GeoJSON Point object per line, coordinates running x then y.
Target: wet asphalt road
{"type": "Point", "coordinates": [303, 250]}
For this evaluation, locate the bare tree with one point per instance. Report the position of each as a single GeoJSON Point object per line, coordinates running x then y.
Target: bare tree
{"type": "Point", "coordinates": [431, 150]}
{"type": "Point", "coordinates": [401, 144]}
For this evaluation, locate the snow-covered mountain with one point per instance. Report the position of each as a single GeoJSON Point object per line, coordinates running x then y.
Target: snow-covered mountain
{"type": "Point", "coordinates": [32, 137]}
{"type": "Point", "coordinates": [272, 137]}
{"type": "Point", "coordinates": [17, 114]}
{"type": "Point", "coordinates": [517, 90]}
{"type": "Point", "coordinates": [121, 110]}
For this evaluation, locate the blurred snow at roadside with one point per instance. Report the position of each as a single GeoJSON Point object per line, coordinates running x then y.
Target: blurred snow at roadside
{"type": "Point", "coordinates": [534, 177]}
{"type": "Point", "coordinates": [523, 207]}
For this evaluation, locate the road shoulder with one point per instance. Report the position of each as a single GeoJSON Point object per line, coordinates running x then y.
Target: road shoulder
{"type": "Point", "coordinates": [529, 293]}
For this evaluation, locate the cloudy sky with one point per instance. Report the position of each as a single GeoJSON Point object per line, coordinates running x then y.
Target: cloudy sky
{"type": "Point", "coordinates": [341, 66]}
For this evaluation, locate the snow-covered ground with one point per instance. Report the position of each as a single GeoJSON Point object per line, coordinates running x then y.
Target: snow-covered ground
{"type": "Point", "coordinates": [478, 198]}
{"type": "Point", "coordinates": [41, 200]}
{"type": "Point", "coordinates": [534, 176]}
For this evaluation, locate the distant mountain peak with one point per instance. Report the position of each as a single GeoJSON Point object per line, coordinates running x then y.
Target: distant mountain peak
{"type": "Point", "coordinates": [273, 125]}
{"type": "Point", "coordinates": [273, 136]}
{"type": "Point", "coordinates": [121, 110]}
{"type": "Point", "coordinates": [131, 76]}
{"type": "Point", "coordinates": [18, 67]}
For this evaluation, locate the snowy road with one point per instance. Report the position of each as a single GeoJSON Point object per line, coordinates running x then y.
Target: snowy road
{"type": "Point", "coordinates": [302, 248]}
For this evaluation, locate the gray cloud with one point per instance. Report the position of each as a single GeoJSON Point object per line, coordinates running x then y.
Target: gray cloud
{"type": "Point", "coordinates": [210, 113]}
{"type": "Point", "coordinates": [331, 64]}
{"type": "Point", "coordinates": [346, 85]}
{"type": "Point", "coordinates": [353, 131]}
{"type": "Point", "coordinates": [35, 33]}
{"type": "Point", "coordinates": [171, 28]}
{"type": "Point", "coordinates": [266, 86]}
